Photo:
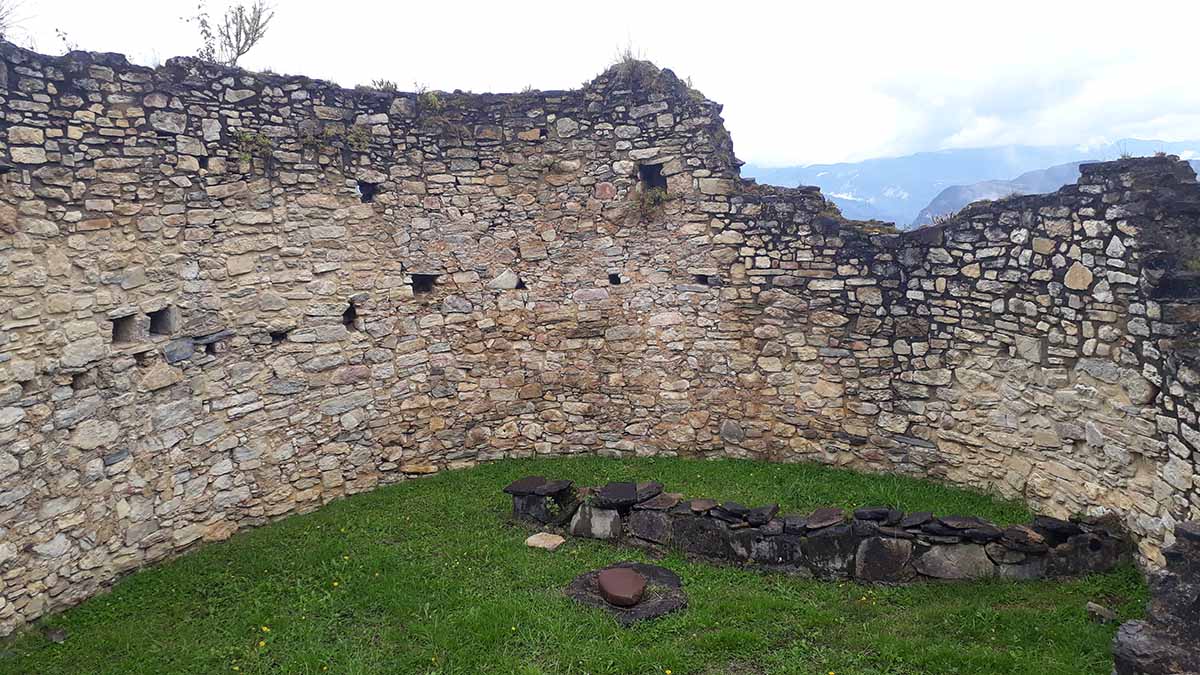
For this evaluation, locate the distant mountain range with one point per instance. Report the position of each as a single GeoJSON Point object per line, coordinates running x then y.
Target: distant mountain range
{"type": "Point", "coordinates": [903, 190]}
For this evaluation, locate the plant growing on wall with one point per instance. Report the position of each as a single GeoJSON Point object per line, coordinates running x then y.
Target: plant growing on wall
{"type": "Point", "coordinates": [650, 202]}
{"type": "Point", "coordinates": [252, 144]}
{"type": "Point", "coordinates": [241, 28]}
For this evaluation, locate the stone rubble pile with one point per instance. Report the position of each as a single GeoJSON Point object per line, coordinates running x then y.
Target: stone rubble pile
{"type": "Point", "coordinates": [875, 544]}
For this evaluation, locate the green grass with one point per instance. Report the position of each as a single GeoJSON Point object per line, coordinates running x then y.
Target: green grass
{"type": "Point", "coordinates": [430, 577]}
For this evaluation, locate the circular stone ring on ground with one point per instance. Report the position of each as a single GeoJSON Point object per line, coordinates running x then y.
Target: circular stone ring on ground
{"type": "Point", "coordinates": [663, 593]}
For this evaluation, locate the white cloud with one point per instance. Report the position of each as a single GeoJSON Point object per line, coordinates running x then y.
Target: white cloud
{"type": "Point", "coordinates": [801, 82]}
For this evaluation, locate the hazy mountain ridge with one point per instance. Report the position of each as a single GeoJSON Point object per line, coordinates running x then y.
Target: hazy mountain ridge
{"type": "Point", "coordinates": [954, 198]}
{"type": "Point", "coordinates": [897, 189]}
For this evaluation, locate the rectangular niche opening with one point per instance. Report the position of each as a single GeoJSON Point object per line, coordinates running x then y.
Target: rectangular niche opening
{"type": "Point", "coordinates": [162, 322]}
{"type": "Point", "coordinates": [124, 329]}
{"type": "Point", "coordinates": [423, 283]}
{"type": "Point", "coordinates": [278, 336]}
{"type": "Point", "coordinates": [367, 191]}
{"type": "Point", "coordinates": [614, 279]}
{"type": "Point", "coordinates": [703, 279]}
{"type": "Point", "coordinates": [350, 317]}
{"type": "Point", "coordinates": [652, 177]}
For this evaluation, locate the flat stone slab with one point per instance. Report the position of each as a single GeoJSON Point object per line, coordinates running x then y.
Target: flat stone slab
{"type": "Point", "coordinates": [621, 586]}
{"type": "Point", "coordinates": [663, 593]}
{"type": "Point", "coordinates": [824, 518]}
{"type": "Point", "coordinates": [545, 541]}
{"type": "Point", "coordinates": [616, 495]}
{"type": "Point", "coordinates": [661, 502]}
{"type": "Point", "coordinates": [525, 486]}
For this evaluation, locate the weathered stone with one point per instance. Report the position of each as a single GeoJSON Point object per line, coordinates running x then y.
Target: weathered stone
{"type": "Point", "coordinates": [824, 517]}
{"type": "Point", "coordinates": [884, 560]}
{"type": "Point", "coordinates": [1078, 277]}
{"type": "Point", "coordinates": [545, 541]}
{"type": "Point", "coordinates": [621, 586]}
{"type": "Point", "coordinates": [596, 523]}
{"type": "Point", "coordinates": [962, 561]}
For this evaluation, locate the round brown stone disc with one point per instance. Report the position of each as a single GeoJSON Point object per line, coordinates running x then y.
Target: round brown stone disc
{"type": "Point", "coordinates": [621, 586]}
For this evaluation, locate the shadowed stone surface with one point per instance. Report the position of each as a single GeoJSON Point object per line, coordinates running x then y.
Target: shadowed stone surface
{"type": "Point", "coordinates": [1167, 641]}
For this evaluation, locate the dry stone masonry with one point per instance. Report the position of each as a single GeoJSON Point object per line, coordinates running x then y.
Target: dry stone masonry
{"type": "Point", "coordinates": [229, 296]}
{"type": "Point", "coordinates": [873, 544]}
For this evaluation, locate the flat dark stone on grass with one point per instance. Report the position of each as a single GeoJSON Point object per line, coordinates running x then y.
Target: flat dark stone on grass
{"type": "Point", "coordinates": [1024, 539]}
{"type": "Point", "coordinates": [616, 496]}
{"type": "Point", "coordinates": [916, 519]}
{"type": "Point", "coordinates": [961, 522]}
{"type": "Point", "coordinates": [983, 534]}
{"type": "Point", "coordinates": [736, 509]}
{"type": "Point", "coordinates": [824, 518]}
{"type": "Point", "coordinates": [762, 514]}
{"type": "Point", "coordinates": [663, 593]}
{"type": "Point", "coordinates": [660, 502]}
{"type": "Point", "coordinates": [553, 487]}
{"type": "Point", "coordinates": [525, 486]}
{"type": "Point", "coordinates": [648, 490]}
{"type": "Point", "coordinates": [872, 513]}
{"type": "Point", "coordinates": [721, 513]}
{"type": "Point", "coordinates": [1055, 530]}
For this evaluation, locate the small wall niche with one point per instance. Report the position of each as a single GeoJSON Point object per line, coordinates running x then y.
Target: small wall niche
{"type": "Point", "coordinates": [367, 191]}
{"type": "Point", "coordinates": [163, 321]}
{"type": "Point", "coordinates": [278, 336]}
{"type": "Point", "coordinates": [203, 160]}
{"type": "Point", "coordinates": [704, 279]}
{"type": "Point", "coordinates": [614, 279]}
{"type": "Point", "coordinates": [213, 348]}
{"type": "Point", "coordinates": [350, 317]}
{"type": "Point", "coordinates": [652, 177]}
{"type": "Point", "coordinates": [124, 329]}
{"type": "Point", "coordinates": [520, 284]}
{"type": "Point", "coordinates": [81, 381]}
{"type": "Point", "coordinates": [423, 283]}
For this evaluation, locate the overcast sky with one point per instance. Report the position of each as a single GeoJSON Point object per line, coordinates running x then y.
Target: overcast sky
{"type": "Point", "coordinates": [801, 82]}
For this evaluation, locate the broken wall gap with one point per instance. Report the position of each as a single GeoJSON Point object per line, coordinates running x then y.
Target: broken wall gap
{"type": "Point", "coordinates": [367, 191]}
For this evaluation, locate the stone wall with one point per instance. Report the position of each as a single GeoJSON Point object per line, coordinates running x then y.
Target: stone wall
{"type": "Point", "coordinates": [229, 296]}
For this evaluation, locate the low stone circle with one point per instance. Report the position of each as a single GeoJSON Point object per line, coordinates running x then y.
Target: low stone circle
{"type": "Point", "coordinates": [874, 544]}
{"type": "Point", "coordinates": [662, 593]}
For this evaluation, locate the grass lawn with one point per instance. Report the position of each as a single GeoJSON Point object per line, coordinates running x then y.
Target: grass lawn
{"type": "Point", "coordinates": [430, 577]}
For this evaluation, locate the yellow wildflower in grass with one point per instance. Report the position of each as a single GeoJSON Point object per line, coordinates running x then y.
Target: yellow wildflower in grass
{"type": "Point", "coordinates": [262, 643]}
{"type": "Point", "coordinates": [266, 629]}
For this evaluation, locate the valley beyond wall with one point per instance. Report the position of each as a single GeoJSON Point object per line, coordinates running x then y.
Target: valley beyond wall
{"type": "Point", "coordinates": [230, 296]}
